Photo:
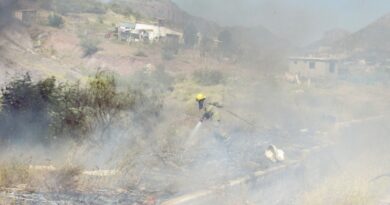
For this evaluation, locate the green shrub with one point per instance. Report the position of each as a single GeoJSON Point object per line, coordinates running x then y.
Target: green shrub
{"type": "Point", "coordinates": [89, 46]}
{"type": "Point", "coordinates": [55, 21]}
{"type": "Point", "coordinates": [69, 114]}
{"type": "Point", "coordinates": [141, 54]}
{"type": "Point", "coordinates": [208, 77]}
{"type": "Point", "coordinates": [227, 44]}
{"type": "Point", "coordinates": [46, 110]}
{"type": "Point", "coordinates": [25, 107]}
{"type": "Point", "coordinates": [190, 35]}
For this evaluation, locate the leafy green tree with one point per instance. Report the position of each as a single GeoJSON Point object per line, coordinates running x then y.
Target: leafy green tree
{"type": "Point", "coordinates": [55, 20]}
{"type": "Point", "coordinates": [226, 43]}
{"type": "Point", "coordinates": [25, 107]}
{"type": "Point", "coordinates": [190, 35]}
{"type": "Point", "coordinates": [45, 111]}
{"type": "Point", "coordinates": [69, 114]}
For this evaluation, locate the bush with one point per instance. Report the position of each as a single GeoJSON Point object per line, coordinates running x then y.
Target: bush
{"type": "Point", "coordinates": [55, 21]}
{"type": "Point", "coordinates": [69, 113]}
{"type": "Point", "coordinates": [227, 45]}
{"type": "Point", "coordinates": [45, 111]}
{"type": "Point", "coordinates": [141, 54]}
{"type": "Point", "coordinates": [208, 77]}
{"type": "Point", "coordinates": [89, 46]}
{"type": "Point", "coordinates": [25, 107]}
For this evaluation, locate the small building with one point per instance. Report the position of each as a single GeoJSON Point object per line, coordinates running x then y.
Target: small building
{"type": "Point", "coordinates": [147, 32]}
{"type": "Point", "coordinates": [27, 16]}
{"type": "Point", "coordinates": [137, 32]}
{"type": "Point", "coordinates": [315, 67]}
{"type": "Point", "coordinates": [124, 31]}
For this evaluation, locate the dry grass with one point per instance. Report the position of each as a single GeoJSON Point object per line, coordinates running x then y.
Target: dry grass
{"type": "Point", "coordinates": [22, 176]}
{"type": "Point", "coordinates": [12, 174]}
{"type": "Point", "coordinates": [9, 201]}
{"type": "Point", "coordinates": [63, 179]}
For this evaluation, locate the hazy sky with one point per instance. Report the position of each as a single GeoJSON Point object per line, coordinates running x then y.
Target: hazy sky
{"type": "Point", "coordinates": [297, 20]}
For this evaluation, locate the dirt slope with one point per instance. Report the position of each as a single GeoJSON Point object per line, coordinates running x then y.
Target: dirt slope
{"type": "Point", "coordinates": [374, 39]}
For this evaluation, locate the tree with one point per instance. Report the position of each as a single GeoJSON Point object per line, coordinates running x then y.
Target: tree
{"type": "Point", "coordinates": [190, 35]}
{"type": "Point", "coordinates": [55, 20]}
{"type": "Point", "coordinates": [206, 46]}
{"type": "Point", "coordinates": [226, 43]}
{"type": "Point", "coordinates": [25, 108]}
{"type": "Point", "coordinates": [45, 111]}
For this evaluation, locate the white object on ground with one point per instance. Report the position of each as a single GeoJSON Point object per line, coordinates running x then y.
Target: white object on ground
{"type": "Point", "coordinates": [274, 154]}
{"type": "Point", "coordinates": [101, 173]}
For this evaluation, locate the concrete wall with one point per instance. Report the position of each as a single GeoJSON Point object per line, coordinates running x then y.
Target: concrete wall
{"type": "Point", "coordinates": [313, 68]}
{"type": "Point", "coordinates": [27, 17]}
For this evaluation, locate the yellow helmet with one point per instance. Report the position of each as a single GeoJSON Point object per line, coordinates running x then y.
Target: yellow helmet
{"type": "Point", "coordinates": [200, 97]}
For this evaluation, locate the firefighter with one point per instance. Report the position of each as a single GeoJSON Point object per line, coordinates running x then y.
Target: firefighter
{"type": "Point", "coordinates": [208, 108]}
{"type": "Point", "coordinates": [209, 113]}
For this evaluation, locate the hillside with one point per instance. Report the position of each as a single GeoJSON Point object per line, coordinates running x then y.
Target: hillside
{"type": "Point", "coordinates": [170, 13]}
{"type": "Point", "coordinates": [57, 51]}
{"type": "Point", "coordinates": [328, 39]}
{"type": "Point", "coordinates": [373, 39]}
{"type": "Point", "coordinates": [254, 41]}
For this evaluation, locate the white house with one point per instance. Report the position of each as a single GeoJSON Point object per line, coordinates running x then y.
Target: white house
{"type": "Point", "coordinates": [154, 32]}
{"type": "Point", "coordinates": [314, 67]}
{"type": "Point", "coordinates": [144, 32]}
